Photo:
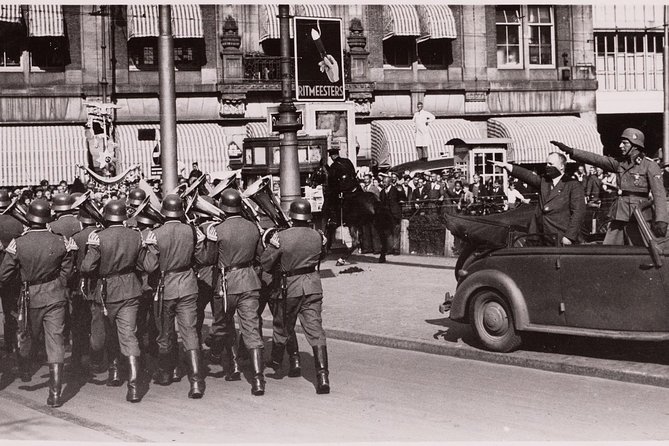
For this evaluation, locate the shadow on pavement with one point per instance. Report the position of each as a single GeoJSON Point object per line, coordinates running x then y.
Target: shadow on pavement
{"type": "Point", "coordinates": [392, 260]}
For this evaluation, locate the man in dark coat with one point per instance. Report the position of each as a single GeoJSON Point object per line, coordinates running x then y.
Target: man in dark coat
{"type": "Point", "coordinates": [561, 206]}
{"type": "Point", "coordinates": [391, 198]}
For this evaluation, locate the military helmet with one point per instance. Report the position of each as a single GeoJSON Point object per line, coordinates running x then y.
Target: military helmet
{"type": "Point", "coordinates": [115, 211]}
{"type": "Point", "coordinates": [634, 136]}
{"type": "Point", "coordinates": [172, 207]}
{"type": "Point", "coordinates": [85, 217]}
{"type": "Point", "coordinates": [145, 219]}
{"type": "Point", "coordinates": [231, 201]}
{"type": "Point", "coordinates": [5, 201]}
{"type": "Point", "coordinates": [300, 209]}
{"type": "Point", "coordinates": [39, 212]}
{"type": "Point", "coordinates": [136, 196]}
{"type": "Point", "coordinates": [62, 203]}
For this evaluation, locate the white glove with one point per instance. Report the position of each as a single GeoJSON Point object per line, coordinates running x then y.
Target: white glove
{"type": "Point", "coordinates": [274, 241]}
{"type": "Point", "coordinates": [150, 239]}
{"type": "Point", "coordinates": [71, 245]}
{"type": "Point", "coordinates": [200, 235]}
{"type": "Point", "coordinates": [93, 239]}
{"type": "Point", "coordinates": [211, 233]}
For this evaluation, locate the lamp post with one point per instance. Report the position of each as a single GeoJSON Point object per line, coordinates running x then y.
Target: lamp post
{"type": "Point", "coordinates": [665, 117]}
{"type": "Point", "coordinates": [168, 109]}
{"type": "Point", "coordinates": [288, 124]}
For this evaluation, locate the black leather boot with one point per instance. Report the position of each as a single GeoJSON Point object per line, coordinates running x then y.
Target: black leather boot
{"type": "Point", "coordinates": [322, 374]}
{"type": "Point", "coordinates": [196, 375]}
{"type": "Point", "coordinates": [243, 353]}
{"type": "Point", "coordinates": [24, 368]}
{"type": "Point", "coordinates": [97, 361]}
{"type": "Point", "coordinates": [276, 357]}
{"type": "Point", "coordinates": [258, 382]}
{"type": "Point", "coordinates": [55, 385]}
{"type": "Point", "coordinates": [163, 375]}
{"type": "Point", "coordinates": [133, 375]}
{"type": "Point", "coordinates": [114, 379]}
{"type": "Point", "coordinates": [176, 370]}
{"type": "Point", "coordinates": [233, 373]}
{"type": "Point", "coordinates": [293, 350]}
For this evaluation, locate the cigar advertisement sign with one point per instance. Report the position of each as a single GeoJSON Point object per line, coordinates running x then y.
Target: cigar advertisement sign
{"type": "Point", "coordinates": [319, 59]}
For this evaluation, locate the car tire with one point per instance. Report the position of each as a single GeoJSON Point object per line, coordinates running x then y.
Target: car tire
{"type": "Point", "coordinates": [492, 320]}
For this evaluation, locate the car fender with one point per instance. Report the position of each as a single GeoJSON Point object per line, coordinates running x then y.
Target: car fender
{"type": "Point", "coordinates": [497, 280]}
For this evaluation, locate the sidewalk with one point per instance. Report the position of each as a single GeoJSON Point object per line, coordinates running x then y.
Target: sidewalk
{"type": "Point", "coordinates": [396, 305]}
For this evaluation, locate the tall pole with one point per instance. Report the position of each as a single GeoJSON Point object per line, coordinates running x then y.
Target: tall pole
{"type": "Point", "coordinates": [665, 117]}
{"type": "Point", "coordinates": [288, 125]}
{"type": "Point", "coordinates": [168, 108]}
{"type": "Point", "coordinates": [103, 47]}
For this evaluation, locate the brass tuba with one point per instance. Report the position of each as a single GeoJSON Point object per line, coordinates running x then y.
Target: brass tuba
{"type": "Point", "coordinates": [85, 201]}
{"type": "Point", "coordinates": [197, 204]}
{"type": "Point", "coordinates": [230, 181]}
{"type": "Point", "coordinates": [190, 190]}
{"type": "Point", "coordinates": [261, 194]}
{"type": "Point", "coordinates": [17, 211]}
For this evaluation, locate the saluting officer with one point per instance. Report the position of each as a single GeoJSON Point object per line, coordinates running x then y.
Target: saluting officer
{"type": "Point", "coordinates": [177, 248]}
{"type": "Point", "coordinates": [10, 228]}
{"type": "Point", "coordinates": [45, 263]}
{"type": "Point", "coordinates": [237, 283]}
{"type": "Point", "coordinates": [297, 251]}
{"type": "Point", "coordinates": [65, 222]}
{"type": "Point", "coordinates": [637, 176]}
{"type": "Point", "coordinates": [115, 253]}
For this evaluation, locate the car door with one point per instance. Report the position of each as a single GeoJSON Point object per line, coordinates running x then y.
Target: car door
{"type": "Point", "coordinates": [613, 288]}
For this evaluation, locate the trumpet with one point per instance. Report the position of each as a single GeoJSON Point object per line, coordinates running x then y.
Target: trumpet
{"type": "Point", "coordinates": [261, 194]}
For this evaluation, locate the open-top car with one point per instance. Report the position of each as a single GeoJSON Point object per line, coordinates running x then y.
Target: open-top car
{"type": "Point", "coordinates": [534, 285]}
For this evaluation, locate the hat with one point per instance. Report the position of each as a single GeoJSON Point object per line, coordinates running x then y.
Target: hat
{"type": "Point", "coordinates": [333, 150]}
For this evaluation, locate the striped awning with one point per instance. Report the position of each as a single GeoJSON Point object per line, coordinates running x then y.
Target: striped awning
{"type": "Point", "coordinates": [33, 153]}
{"type": "Point", "coordinates": [10, 13]}
{"type": "Point", "coordinates": [268, 20]}
{"type": "Point", "coordinates": [393, 141]}
{"type": "Point", "coordinates": [257, 130]}
{"type": "Point", "coordinates": [436, 22]}
{"type": "Point", "coordinates": [313, 10]}
{"type": "Point", "coordinates": [45, 21]}
{"type": "Point", "coordinates": [531, 136]}
{"type": "Point", "coordinates": [400, 20]}
{"type": "Point", "coordinates": [144, 21]}
{"type": "Point", "coordinates": [204, 143]}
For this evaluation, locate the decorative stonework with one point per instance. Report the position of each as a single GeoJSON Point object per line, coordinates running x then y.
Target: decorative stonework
{"type": "Point", "coordinates": [230, 38]}
{"type": "Point", "coordinates": [232, 107]}
{"type": "Point", "coordinates": [356, 40]}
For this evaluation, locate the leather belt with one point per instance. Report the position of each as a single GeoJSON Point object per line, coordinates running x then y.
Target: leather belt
{"type": "Point", "coordinates": [179, 270]}
{"type": "Point", "coordinates": [635, 194]}
{"type": "Point", "coordinates": [237, 266]}
{"type": "Point", "coordinates": [50, 278]}
{"type": "Point", "coordinates": [123, 272]}
{"type": "Point", "coordinates": [300, 271]}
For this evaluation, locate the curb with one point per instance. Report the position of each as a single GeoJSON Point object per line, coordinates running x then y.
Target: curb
{"type": "Point", "coordinates": [569, 364]}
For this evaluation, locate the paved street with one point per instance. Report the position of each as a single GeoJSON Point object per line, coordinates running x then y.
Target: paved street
{"type": "Point", "coordinates": [379, 394]}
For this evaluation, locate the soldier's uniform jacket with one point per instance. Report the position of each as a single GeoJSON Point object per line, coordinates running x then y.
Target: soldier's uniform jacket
{"type": "Point", "coordinates": [66, 225]}
{"type": "Point", "coordinates": [636, 178]}
{"type": "Point", "coordinates": [176, 254]}
{"type": "Point", "coordinates": [149, 280]}
{"type": "Point", "coordinates": [238, 244]}
{"type": "Point", "coordinates": [342, 176]}
{"type": "Point", "coordinates": [80, 238]}
{"type": "Point", "coordinates": [205, 272]}
{"type": "Point", "coordinates": [300, 247]}
{"type": "Point", "coordinates": [117, 260]}
{"type": "Point", "coordinates": [43, 262]}
{"type": "Point", "coordinates": [10, 228]}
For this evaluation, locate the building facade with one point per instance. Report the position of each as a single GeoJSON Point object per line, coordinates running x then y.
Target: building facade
{"type": "Point", "coordinates": [520, 72]}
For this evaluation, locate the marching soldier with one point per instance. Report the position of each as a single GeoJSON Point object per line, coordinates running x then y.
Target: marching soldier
{"type": "Point", "coordinates": [10, 228]}
{"type": "Point", "coordinates": [177, 247]}
{"type": "Point", "coordinates": [65, 222]}
{"type": "Point", "coordinates": [237, 284]}
{"type": "Point", "coordinates": [115, 253]}
{"type": "Point", "coordinates": [45, 263]}
{"type": "Point", "coordinates": [638, 176]}
{"type": "Point", "coordinates": [146, 322]}
{"type": "Point", "coordinates": [135, 198]}
{"type": "Point", "coordinates": [297, 251]}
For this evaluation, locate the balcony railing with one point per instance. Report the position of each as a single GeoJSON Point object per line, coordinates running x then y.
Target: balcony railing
{"type": "Point", "coordinates": [259, 67]}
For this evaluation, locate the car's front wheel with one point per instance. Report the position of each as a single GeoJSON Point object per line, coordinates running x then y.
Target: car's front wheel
{"type": "Point", "coordinates": [491, 317]}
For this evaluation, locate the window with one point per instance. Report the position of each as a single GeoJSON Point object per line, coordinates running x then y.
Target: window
{"type": "Point", "coordinates": [481, 164]}
{"type": "Point", "coordinates": [525, 36]}
{"type": "Point", "coordinates": [48, 53]}
{"type": "Point", "coordinates": [10, 56]}
{"type": "Point", "coordinates": [188, 53]}
{"type": "Point", "coordinates": [629, 61]}
{"type": "Point", "coordinates": [399, 51]}
{"type": "Point", "coordinates": [435, 53]}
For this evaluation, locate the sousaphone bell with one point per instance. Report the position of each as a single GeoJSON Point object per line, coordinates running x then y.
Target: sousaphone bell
{"type": "Point", "coordinates": [262, 195]}
{"type": "Point", "coordinates": [85, 201]}
{"type": "Point", "coordinates": [18, 211]}
{"type": "Point", "coordinates": [230, 181]}
{"type": "Point", "coordinates": [196, 204]}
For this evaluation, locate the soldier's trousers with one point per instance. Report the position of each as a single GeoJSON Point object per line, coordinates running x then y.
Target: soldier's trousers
{"type": "Point", "coordinates": [146, 322]}
{"type": "Point", "coordinates": [52, 320]}
{"type": "Point", "coordinates": [184, 310]}
{"type": "Point", "coordinates": [80, 321]}
{"type": "Point", "coordinates": [246, 305]}
{"type": "Point", "coordinates": [9, 297]}
{"type": "Point", "coordinates": [308, 308]}
{"type": "Point", "coordinates": [119, 327]}
{"type": "Point", "coordinates": [205, 296]}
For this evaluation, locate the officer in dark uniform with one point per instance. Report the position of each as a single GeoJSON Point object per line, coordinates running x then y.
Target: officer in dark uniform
{"type": "Point", "coordinates": [298, 252]}
{"type": "Point", "coordinates": [637, 176]}
{"type": "Point", "coordinates": [115, 253]}
{"type": "Point", "coordinates": [65, 222]}
{"type": "Point", "coordinates": [81, 312]}
{"type": "Point", "coordinates": [341, 173]}
{"type": "Point", "coordinates": [237, 284]}
{"type": "Point", "coordinates": [135, 198]}
{"type": "Point", "coordinates": [177, 248]}
{"type": "Point", "coordinates": [45, 263]}
{"type": "Point", "coordinates": [10, 228]}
